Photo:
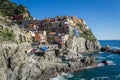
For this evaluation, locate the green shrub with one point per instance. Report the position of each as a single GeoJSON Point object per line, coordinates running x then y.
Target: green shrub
{"type": "Point", "coordinates": [8, 8]}
{"type": "Point", "coordinates": [80, 26]}
{"type": "Point", "coordinates": [88, 35]}
{"type": "Point", "coordinates": [7, 35]}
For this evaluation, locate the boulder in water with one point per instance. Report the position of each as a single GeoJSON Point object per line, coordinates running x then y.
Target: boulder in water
{"type": "Point", "coordinates": [105, 62]}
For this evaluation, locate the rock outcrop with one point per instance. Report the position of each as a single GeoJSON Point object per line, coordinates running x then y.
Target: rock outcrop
{"type": "Point", "coordinates": [79, 44]}
{"type": "Point", "coordinates": [86, 41]}
{"type": "Point", "coordinates": [108, 49]}
{"type": "Point", "coordinates": [18, 63]}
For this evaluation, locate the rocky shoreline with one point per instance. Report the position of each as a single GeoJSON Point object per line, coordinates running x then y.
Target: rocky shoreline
{"type": "Point", "coordinates": [21, 61]}
{"type": "Point", "coordinates": [21, 66]}
{"type": "Point", "coordinates": [108, 49]}
{"type": "Point", "coordinates": [55, 65]}
{"type": "Point", "coordinates": [69, 67]}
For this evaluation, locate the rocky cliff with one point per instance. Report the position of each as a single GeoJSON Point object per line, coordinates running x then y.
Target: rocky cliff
{"type": "Point", "coordinates": [85, 41]}
{"type": "Point", "coordinates": [18, 63]}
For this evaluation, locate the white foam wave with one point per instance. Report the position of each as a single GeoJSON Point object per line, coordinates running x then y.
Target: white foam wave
{"type": "Point", "coordinates": [58, 78]}
{"type": "Point", "coordinates": [99, 60]}
{"type": "Point", "coordinates": [117, 76]}
{"type": "Point", "coordinates": [101, 57]}
{"type": "Point", "coordinates": [63, 76]}
{"type": "Point", "coordinates": [100, 64]}
{"type": "Point", "coordinates": [114, 47]}
{"type": "Point", "coordinates": [101, 52]}
{"type": "Point", "coordinates": [109, 56]}
{"type": "Point", "coordinates": [111, 63]}
{"type": "Point", "coordinates": [108, 63]}
{"type": "Point", "coordinates": [105, 77]}
{"type": "Point", "coordinates": [93, 79]}
{"type": "Point", "coordinates": [89, 67]}
{"type": "Point", "coordinates": [82, 79]}
{"type": "Point", "coordinates": [68, 75]}
{"type": "Point", "coordinates": [100, 78]}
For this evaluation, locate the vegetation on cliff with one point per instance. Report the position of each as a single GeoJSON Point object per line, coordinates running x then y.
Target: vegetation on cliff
{"type": "Point", "coordinates": [10, 9]}
{"type": "Point", "coordinates": [87, 34]}
{"type": "Point", "coordinates": [20, 60]}
{"type": "Point", "coordinates": [6, 35]}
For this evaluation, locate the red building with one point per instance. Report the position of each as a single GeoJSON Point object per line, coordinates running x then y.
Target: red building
{"type": "Point", "coordinates": [18, 17]}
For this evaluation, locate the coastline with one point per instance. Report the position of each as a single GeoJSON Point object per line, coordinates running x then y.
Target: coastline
{"type": "Point", "coordinates": [89, 52]}
{"type": "Point", "coordinates": [46, 68]}
{"type": "Point", "coordinates": [22, 61]}
{"type": "Point", "coordinates": [65, 73]}
{"type": "Point", "coordinates": [59, 68]}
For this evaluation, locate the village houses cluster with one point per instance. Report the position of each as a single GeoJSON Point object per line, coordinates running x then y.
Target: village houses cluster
{"type": "Point", "coordinates": [51, 30]}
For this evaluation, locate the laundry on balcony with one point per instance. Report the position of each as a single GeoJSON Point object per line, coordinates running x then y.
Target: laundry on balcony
{"type": "Point", "coordinates": [33, 51]}
{"type": "Point", "coordinates": [44, 48]}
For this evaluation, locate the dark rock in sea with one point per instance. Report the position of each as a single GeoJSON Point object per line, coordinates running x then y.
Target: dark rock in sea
{"type": "Point", "coordinates": [105, 62]}
{"type": "Point", "coordinates": [108, 49]}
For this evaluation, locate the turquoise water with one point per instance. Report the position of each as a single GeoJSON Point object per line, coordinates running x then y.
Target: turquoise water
{"type": "Point", "coordinates": [102, 72]}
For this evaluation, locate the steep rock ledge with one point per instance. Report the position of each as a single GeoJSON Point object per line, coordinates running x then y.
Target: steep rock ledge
{"type": "Point", "coordinates": [80, 44]}
{"type": "Point", "coordinates": [12, 56]}
{"type": "Point", "coordinates": [16, 63]}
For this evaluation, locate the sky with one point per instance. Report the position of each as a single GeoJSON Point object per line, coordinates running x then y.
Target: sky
{"type": "Point", "coordinates": [102, 16]}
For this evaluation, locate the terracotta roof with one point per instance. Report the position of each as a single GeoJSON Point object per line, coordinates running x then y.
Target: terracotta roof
{"type": "Point", "coordinates": [52, 33]}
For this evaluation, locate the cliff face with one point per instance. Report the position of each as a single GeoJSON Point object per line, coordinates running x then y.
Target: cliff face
{"type": "Point", "coordinates": [80, 44]}
{"type": "Point", "coordinates": [12, 58]}
{"type": "Point", "coordinates": [16, 61]}
{"type": "Point", "coordinates": [18, 64]}
{"type": "Point", "coordinates": [83, 42]}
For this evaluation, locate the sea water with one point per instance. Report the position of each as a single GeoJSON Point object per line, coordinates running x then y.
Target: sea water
{"type": "Point", "coordinates": [101, 72]}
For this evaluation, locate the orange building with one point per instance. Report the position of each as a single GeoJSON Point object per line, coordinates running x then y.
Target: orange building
{"type": "Point", "coordinates": [37, 37]}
